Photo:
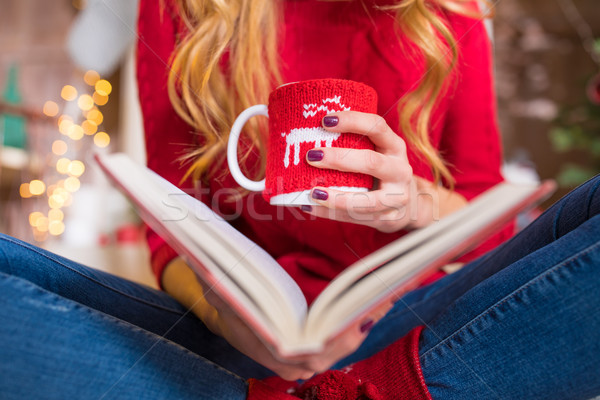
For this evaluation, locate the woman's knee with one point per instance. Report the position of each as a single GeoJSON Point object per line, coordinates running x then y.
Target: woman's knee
{"type": "Point", "coordinates": [25, 260]}
{"type": "Point", "coordinates": [8, 250]}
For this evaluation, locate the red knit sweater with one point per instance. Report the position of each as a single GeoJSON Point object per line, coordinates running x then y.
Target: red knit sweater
{"type": "Point", "coordinates": [322, 40]}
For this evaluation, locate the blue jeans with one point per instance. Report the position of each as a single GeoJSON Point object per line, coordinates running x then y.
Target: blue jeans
{"type": "Point", "coordinates": [519, 322]}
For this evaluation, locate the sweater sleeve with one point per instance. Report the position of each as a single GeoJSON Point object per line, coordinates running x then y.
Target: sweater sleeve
{"type": "Point", "coordinates": [167, 136]}
{"type": "Point", "coordinates": [471, 140]}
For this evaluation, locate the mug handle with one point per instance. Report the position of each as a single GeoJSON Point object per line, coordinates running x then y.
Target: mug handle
{"type": "Point", "coordinates": [232, 144]}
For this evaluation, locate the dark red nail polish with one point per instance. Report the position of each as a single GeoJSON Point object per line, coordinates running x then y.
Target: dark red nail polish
{"type": "Point", "coordinates": [319, 194]}
{"type": "Point", "coordinates": [330, 121]}
{"type": "Point", "coordinates": [306, 208]}
{"type": "Point", "coordinates": [367, 326]}
{"type": "Point", "coordinates": [314, 155]}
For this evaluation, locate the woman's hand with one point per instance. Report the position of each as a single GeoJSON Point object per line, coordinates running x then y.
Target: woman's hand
{"type": "Point", "coordinates": [180, 281]}
{"type": "Point", "coordinates": [224, 322]}
{"type": "Point", "coordinates": [400, 199]}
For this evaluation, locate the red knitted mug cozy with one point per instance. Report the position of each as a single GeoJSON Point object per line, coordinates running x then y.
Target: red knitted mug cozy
{"type": "Point", "coordinates": [295, 114]}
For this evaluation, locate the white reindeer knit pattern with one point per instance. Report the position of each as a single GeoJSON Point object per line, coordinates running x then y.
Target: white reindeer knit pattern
{"type": "Point", "coordinates": [312, 109]}
{"type": "Point", "coordinates": [316, 135]}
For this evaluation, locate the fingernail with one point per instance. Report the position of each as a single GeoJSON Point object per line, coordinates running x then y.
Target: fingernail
{"type": "Point", "coordinates": [314, 155]}
{"type": "Point", "coordinates": [306, 208]}
{"type": "Point", "coordinates": [330, 121]}
{"type": "Point", "coordinates": [319, 194]}
{"type": "Point", "coordinates": [367, 326]}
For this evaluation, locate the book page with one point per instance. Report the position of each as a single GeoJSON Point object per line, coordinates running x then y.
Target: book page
{"type": "Point", "coordinates": [401, 265]}
{"type": "Point", "coordinates": [261, 261]}
{"type": "Point", "coordinates": [238, 269]}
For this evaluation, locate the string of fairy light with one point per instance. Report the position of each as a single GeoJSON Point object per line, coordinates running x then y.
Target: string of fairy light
{"type": "Point", "coordinates": [85, 125]}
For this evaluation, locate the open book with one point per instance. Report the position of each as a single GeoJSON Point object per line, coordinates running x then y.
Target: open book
{"type": "Point", "coordinates": [261, 292]}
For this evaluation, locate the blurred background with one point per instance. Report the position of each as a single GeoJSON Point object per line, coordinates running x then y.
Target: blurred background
{"type": "Point", "coordinates": [67, 90]}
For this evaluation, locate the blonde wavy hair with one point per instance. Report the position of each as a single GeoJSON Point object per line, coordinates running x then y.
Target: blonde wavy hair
{"type": "Point", "coordinates": [228, 61]}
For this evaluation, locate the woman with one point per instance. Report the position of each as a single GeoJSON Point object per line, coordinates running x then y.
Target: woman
{"type": "Point", "coordinates": [518, 322]}
{"type": "Point", "coordinates": [203, 45]}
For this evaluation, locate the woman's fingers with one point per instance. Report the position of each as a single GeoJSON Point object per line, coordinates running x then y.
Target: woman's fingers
{"type": "Point", "coordinates": [371, 125]}
{"type": "Point", "coordinates": [381, 166]}
{"type": "Point", "coordinates": [388, 208]}
{"type": "Point", "coordinates": [374, 202]}
{"type": "Point", "coordinates": [240, 336]}
{"type": "Point", "coordinates": [385, 222]}
{"type": "Point", "coordinates": [385, 210]}
{"type": "Point", "coordinates": [346, 343]}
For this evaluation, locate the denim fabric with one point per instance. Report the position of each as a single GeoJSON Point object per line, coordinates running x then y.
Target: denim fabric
{"type": "Point", "coordinates": [480, 309]}
{"type": "Point", "coordinates": [531, 332]}
{"type": "Point", "coordinates": [55, 348]}
{"type": "Point", "coordinates": [67, 330]}
{"type": "Point", "coordinates": [519, 322]}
